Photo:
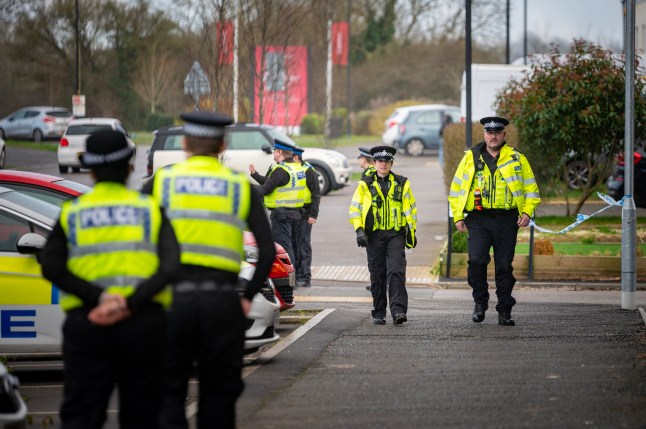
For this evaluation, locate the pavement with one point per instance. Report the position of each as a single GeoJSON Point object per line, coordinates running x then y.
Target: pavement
{"type": "Point", "coordinates": [575, 359]}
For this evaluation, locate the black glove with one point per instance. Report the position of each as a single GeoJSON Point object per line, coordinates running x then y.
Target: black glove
{"type": "Point", "coordinates": [362, 238]}
{"type": "Point", "coordinates": [411, 241]}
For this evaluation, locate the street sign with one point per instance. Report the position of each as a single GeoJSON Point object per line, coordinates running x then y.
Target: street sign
{"type": "Point", "coordinates": [78, 105]}
{"type": "Point", "coordinates": [196, 82]}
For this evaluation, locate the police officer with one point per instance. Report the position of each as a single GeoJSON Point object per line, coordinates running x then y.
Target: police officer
{"type": "Point", "coordinates": [493, 193]}
{"type": "Point", "coordinates": [284, 194]}
{"type": "Point", "coordinates": [302, 240]}
{"type": "Point", "coordinates": [366, 162]}
{"type": "Point", "coordinates": [112, 253]}
{"type": "Point", "coordinates": [383, 213]}
{"type": "Point", "coordinates": [209, 206]}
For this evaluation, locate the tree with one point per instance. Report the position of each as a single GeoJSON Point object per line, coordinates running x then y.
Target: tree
{"type": "Point", "coordinates": [572, 107]}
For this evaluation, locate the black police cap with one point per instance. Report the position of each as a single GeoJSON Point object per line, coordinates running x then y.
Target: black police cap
{"type": "Point", "coordinates": [386, 153]}
{"type": "Point", "coordinates": [105, 147]}
{"type": "Point", "coordinates": [206, 125]}
{"type": "Point", "coordinates": [494, 123]}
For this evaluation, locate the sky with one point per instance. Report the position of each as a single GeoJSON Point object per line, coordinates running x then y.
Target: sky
{"type": "Point", "coordinates": [599, 21]}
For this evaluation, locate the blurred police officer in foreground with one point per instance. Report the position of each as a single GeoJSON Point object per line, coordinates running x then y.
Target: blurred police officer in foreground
{"type": "Point", "coordinates": [383, 213]}
{"type": "Point", "coordinates": [493, 193]}
{"type": "Point", "coordinates": [284, 194]}
{"type": "Point", "coordinates": [112, 253]}
{"type": "Point", "coordinates": [366, 162]}
{"type": "Point", "coordinates": [302, 240]}
{"type": "Point", "coordinates": [209, 206]}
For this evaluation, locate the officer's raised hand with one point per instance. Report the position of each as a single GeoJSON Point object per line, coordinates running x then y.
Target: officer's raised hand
{"type": "Point", "coordinates": [362, 238]}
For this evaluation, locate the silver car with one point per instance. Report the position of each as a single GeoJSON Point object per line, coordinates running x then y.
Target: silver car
{"type": "Point", "coordinates": [35, 123]}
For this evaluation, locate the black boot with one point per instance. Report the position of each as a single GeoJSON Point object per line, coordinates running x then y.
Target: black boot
{"type": "Point", "coordinates": [479, 312]}
{"type": "Point", "coordinates": [504, 319]}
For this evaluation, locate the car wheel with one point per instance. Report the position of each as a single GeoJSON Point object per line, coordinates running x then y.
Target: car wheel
{"type": "Point", "coordinates": [578, 174]}
{"type": "Point", "coordinates": [3, 157]}
{"type": "Point", "coordinates": [63, 169]}
{"type": "Point", "coordinates": [38, 135]}
{"type": "Point", "coordinates": [415, 147]}
{"type": "Point", "coordinates": [324, 179]}
{"type": "Point", "coordinates": [76, 169]}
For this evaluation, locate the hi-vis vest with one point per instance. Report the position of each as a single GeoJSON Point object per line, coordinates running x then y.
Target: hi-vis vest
{"type": "Point", "coordinates": [292, 194]}
{"type": "Point", "coordinates": [369, 171]}
{"type": "Point", "coordinates": [112, 235]}
{"type": "Point", "coordinates": [513, 186]}
{"type": "Point", "coordinates": [208, 205]}
{"type": "Point", "coordinates": [308, 194]}
{"type": "Point", "coordinates": [394, 211]}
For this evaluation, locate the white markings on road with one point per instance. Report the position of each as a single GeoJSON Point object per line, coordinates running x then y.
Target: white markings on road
{"type": "Point", "coordinates": [359, 273]}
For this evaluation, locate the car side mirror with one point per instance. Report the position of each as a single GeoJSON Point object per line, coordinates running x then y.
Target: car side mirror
{"type": "Point", "coordinates": [31, 243]}
{"type": "Point", "coordinates": [267, 148]}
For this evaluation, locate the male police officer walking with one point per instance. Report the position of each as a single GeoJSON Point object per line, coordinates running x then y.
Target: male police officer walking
{"type": "Point", "coordinates": [383, 213]}
{"type": "Point", "coordinates": [302, 240]}
{"type": "Point", "coordinates": [209, 205]}
{"type": "Point", "coordinates": [112, 253]}
{"type": "Point", "coordinates": [284, 194]}
{"type": "Point", "coordinates": [493, 193]}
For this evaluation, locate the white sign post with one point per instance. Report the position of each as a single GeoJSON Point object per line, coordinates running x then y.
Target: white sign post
{"type": "Point", "coordinates": [78, 105]}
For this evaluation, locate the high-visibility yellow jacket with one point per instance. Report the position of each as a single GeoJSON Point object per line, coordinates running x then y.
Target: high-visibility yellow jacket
{"type": "Point", "coordinates": [208, 205]}
{"type": "Point", "coordinates": [369, 171]}
{"type": "Point", "coordinates": [513, 186]}
{"type": "Point", "coordinates": [294, 192]}
{"type": "Point", "coordinates": [112, 235]}
{"type": "Point", "coordinates": [393, 211]}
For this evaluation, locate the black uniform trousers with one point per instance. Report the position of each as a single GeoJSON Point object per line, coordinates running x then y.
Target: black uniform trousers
{"type": "Point", "coordinates": [497, 228]}
{"type": "Point", "coordinates": [302, 244]}
{"type": "Point", "coordinates": [284, 223]}
{"type": "Point", "coordinates": [207, 328]}
{"type": "Point", "coordinates": [129, 354]}
{"type": "Point", "coordinates": [387, 266]}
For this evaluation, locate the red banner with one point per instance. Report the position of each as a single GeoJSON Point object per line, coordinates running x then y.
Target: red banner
{"type": "Point", "coordinates": [224, 37]}
{"type": "Point", "coordinates": [280, 95]}
{"type": "Point", "coordinates": [340, 43]}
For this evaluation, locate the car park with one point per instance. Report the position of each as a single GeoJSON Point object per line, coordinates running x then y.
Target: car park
{"type": "Point", "coordinates": [30, 314]}
{"type": "Point", "coordinates": [251, 144]}
{"type": "Point", "coordinates": [73, 140]}
{"type": "Point", "coordinates": [616, 180]}
{"type": "Point", "coordinates": [52, 189]}
{"type": "Point", "coordinates": [35, 123]}
{"type": "Point", "coordinates": [417, 128]}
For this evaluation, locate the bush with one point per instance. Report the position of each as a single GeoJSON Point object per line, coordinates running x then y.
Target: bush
{"type": "Point", "coordinates": [155, 121]}
{"type": "Point", "coordinates": [543, 246]}
{"type": "Point", "coordinates": [312, 123]}
{"type": "Point", "coordinates": [459, 242]}
{"type": "Point", "coordinates": [361, 123]}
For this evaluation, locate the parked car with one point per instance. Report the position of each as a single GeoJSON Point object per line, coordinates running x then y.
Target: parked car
{"type": "Point", "coordinates": [397, 117]}
{"type": "Point", "coordinates": [74, 139]}
{"type": "Point", "coordinates": [251, 144]}
{"type": "Point", "coordinates": [35, 123]}
{"type": "Point", "coordinates": [282, 271]}
{"type": "Point", "coordinates": [3, 154]}
{"type": "Point", "coordinates": [52, 189]}
{"type": "Point", "coordinates": [418, 129]}
{"type": "Point", "coordinates": [29, 305]}
{"type": "Point", "coordinates": [616, 180]}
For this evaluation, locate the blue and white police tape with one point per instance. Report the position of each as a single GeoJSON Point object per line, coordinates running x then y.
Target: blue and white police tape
{"type": "Point", "coordinates": [580, 218]}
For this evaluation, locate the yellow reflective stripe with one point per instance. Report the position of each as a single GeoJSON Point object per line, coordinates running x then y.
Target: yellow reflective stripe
{"type": "Point", "coordinates": [532, 195]}
{"type": "Point", "coordinates": [111, 247]}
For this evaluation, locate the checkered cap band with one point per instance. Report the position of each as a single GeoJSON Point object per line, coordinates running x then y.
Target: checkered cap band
{"type": "Point", "coordinates": [203, 131]}
{"type": "Point", "coordinates": [90, 159]}
{"type": "Point", "coordinates": [383, 154]}
{"type": "Point", "coordinates": [494, 124]}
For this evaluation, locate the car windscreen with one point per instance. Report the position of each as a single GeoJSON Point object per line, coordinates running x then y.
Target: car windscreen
{"type": "Point", "coordinates": [79, 130]}
{"type": "Point", "coordinates": [59, 113]}
{"type": "Point", "coordinates": [46, 209]}
{"type": "Point", "coordinates": [78, 187]}
{"type": "Point", "coordinates": [173, 142]}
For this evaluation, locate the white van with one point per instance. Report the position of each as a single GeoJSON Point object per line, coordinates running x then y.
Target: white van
{"type": "Point", "coordinates": [486, 81]}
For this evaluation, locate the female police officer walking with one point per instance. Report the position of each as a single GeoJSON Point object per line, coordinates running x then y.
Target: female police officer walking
{"type": "Point", "coordinates": [493, 193]}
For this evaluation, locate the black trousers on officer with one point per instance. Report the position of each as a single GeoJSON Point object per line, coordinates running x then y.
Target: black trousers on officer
{"type": "Point", "coordinates": [284, 223]}
{"type": "Point", "coordinates": [129, 354]}
{"type": "Point", "coordinates": [207, 328]}
{"type": "Point", "coordinates": [495, 228]}
{"type": "Point", "coordinates": [387, 266]}
{"type": "Point", "coordinates": [302, 244]}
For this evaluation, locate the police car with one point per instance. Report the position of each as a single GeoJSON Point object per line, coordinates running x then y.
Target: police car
{"type": "Point", "coordinates": [30, 315]}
